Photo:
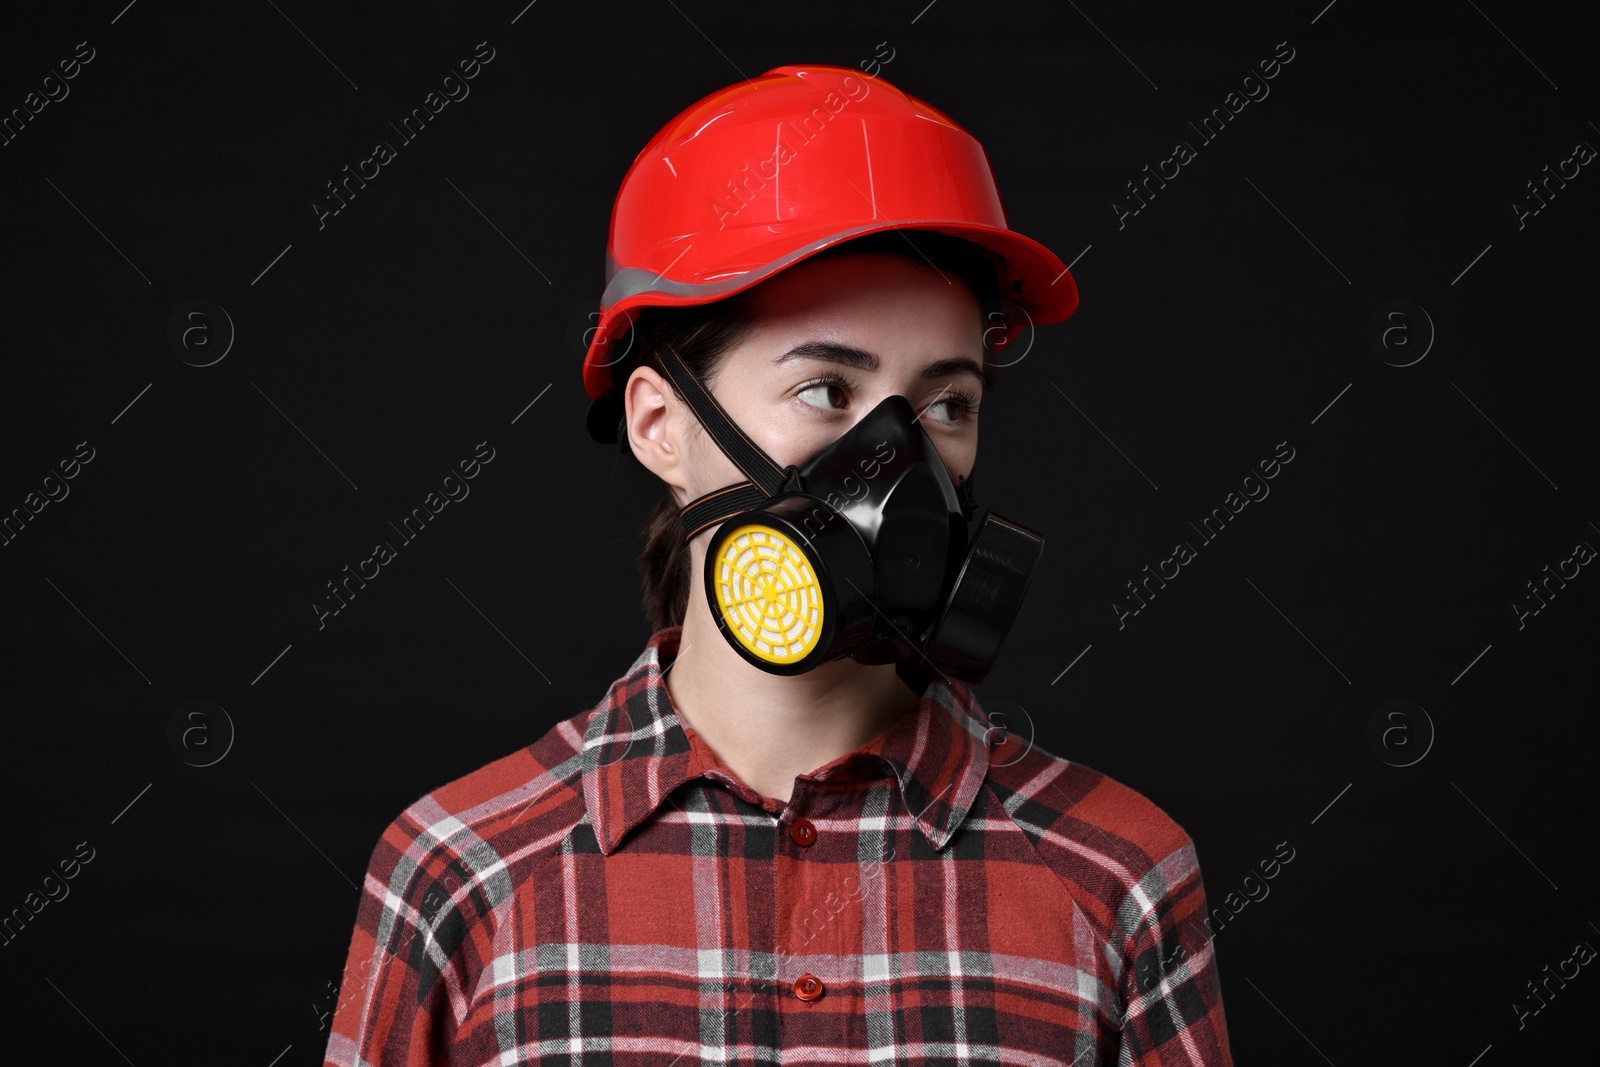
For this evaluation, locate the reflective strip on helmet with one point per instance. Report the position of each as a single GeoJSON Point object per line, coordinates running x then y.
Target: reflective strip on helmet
{"type": "Point", "coordinates": [631, 281]}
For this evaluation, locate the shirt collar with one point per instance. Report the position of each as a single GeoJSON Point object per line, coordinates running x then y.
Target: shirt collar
{"type": "Point", "coordinates": [636, 751]}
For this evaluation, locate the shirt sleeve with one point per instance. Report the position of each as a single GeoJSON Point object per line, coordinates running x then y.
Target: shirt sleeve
{"type": "Point", "coordinates": [413, 948]}
{"type": "Point", "coordinates": [1170, 999]}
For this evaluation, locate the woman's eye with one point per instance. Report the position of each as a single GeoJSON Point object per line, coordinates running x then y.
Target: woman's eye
{"type": "Point", "coordinates": [949, 409]}
{"type": "Point", "coordinates": [823, 395]}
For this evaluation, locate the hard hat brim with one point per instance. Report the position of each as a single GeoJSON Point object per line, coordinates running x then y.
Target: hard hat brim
{"type": "Point", "coordinates": [1035, 279]}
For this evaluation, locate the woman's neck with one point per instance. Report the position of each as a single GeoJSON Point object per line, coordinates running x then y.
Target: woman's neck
{"type": "Point", "coordinates": [768, 728]}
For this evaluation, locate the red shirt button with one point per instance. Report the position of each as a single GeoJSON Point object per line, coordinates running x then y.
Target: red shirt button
{"type": "Point", "coordinates": [808, 987]}
{"type": "Point", "coordinates": [803, 832]}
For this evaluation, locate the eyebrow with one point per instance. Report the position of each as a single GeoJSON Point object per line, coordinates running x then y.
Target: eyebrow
{"type": "Point", "coordinates": [863, 360]}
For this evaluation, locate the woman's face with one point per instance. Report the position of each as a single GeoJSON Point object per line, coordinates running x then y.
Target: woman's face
{"type": "Point", "coordinates": [832, 338]}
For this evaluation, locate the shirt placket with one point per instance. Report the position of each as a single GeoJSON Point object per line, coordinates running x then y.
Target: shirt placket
{"type": "Point", "coordinates": [819, 884]}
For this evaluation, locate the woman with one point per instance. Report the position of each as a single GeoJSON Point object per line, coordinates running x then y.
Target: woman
{"type": "Point", "coordinates": [789, 827]}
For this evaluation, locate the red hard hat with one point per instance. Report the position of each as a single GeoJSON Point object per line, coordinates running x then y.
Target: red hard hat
{"type": "Point", "coordinates": [758, 176]}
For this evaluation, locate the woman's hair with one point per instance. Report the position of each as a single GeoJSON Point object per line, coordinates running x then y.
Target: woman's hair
{"type": "Point", "coordinates": [702, 335]}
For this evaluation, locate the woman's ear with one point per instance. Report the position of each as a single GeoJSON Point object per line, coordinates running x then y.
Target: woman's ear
{"type": "Point", "coordinates": [652, 424]}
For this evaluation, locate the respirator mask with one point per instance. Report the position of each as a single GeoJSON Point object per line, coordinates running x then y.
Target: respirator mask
{"type": "Point", "coordinates": [867, 550]}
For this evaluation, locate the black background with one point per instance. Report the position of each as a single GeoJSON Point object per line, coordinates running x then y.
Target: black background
{"type": "Point", "coordinates": [1229, 315]}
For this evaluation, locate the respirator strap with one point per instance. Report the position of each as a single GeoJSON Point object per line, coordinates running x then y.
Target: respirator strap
{"type": "Point", "coordinates": [719, 504]}
{"type": "Point", "coordinates": [765, 478]}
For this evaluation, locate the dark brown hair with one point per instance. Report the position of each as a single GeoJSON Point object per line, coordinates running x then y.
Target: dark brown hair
{"type": "Point", "coordinates": [704, 334]}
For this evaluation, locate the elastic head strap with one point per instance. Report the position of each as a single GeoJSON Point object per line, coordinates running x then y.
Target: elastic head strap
{"type": "Point", "coordinates": [765, 477]}
{"type": "Point", "coordinates": [717, 505]}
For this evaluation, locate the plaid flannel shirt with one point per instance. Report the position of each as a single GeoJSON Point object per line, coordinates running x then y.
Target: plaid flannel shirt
{"type": "Point", "coordinates": [613, 894]}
